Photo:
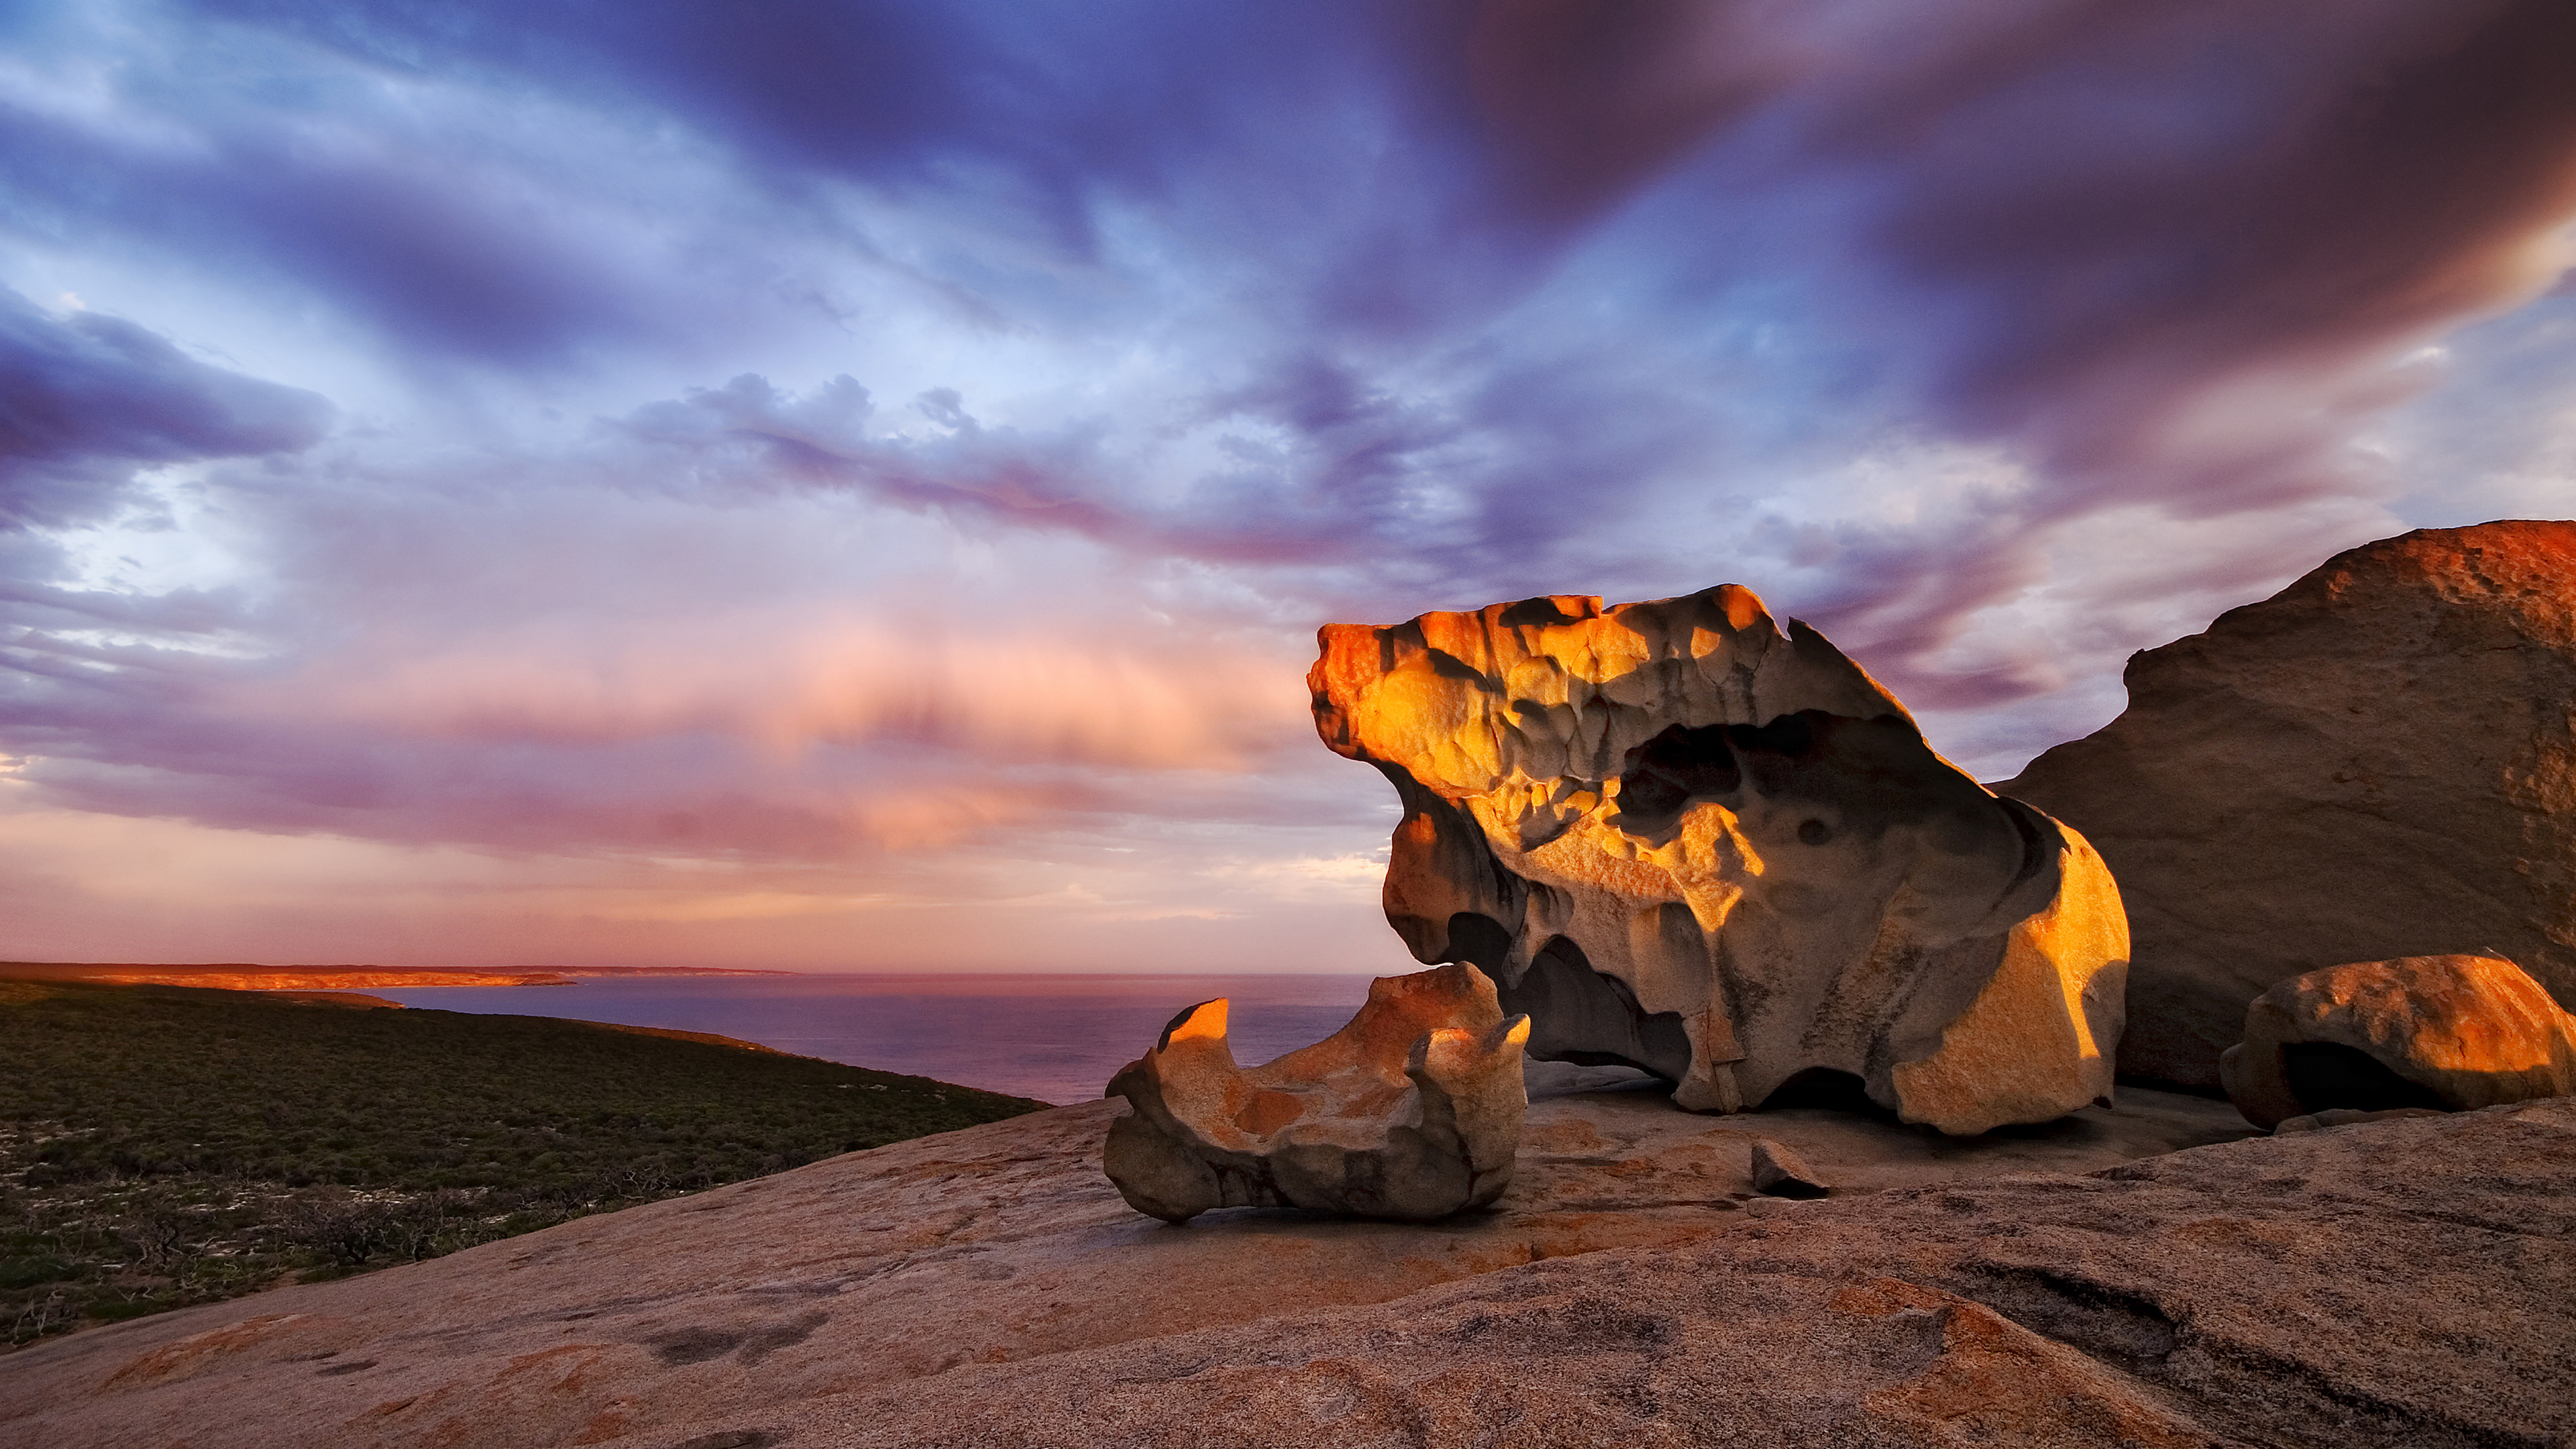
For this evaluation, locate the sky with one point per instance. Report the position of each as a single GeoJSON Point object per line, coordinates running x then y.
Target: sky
{"type": "Point", "coordinates": [852, 486]}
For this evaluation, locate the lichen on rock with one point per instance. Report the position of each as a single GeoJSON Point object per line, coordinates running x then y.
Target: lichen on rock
{"type": "Point", "coordinates": [1680, 836]}
{"type": "Point", "coordinates": [1412, 1111]}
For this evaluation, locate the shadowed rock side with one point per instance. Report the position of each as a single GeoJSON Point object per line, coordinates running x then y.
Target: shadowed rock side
{"type": "Point", "coordinates": [1411, 1112]}
{"type": "Point", "coordinates": [2379, 761]}
{"type": "Point", "coordinates": [1680, 837]}
{"type": "Point", "coordinates": [2445, 1032]}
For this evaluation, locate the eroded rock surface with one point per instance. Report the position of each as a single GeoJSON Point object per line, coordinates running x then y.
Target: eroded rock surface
{"type": "Point", "coordinates": [2443, 1032]}
{"type": "Point", "coordinates": [1412, 1111]}
{"type": "Point", "coordinates": [2379, 761]}
{"type": "Point", "coordinates": [1680, 836]}
{"type": "Point", "coordinates": [2390, 1283]}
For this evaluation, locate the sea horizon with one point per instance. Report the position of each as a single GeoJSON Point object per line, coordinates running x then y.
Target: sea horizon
{"type": "Point", "coordinates": [1053, 1036]}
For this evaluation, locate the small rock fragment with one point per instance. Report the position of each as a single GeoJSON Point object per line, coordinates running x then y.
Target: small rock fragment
{"type": "Point", "coordinates": [1779, 1172]}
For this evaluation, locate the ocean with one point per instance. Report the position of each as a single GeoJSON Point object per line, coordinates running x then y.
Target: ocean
{"type": "Point", "coordinates": [1056, 1038]}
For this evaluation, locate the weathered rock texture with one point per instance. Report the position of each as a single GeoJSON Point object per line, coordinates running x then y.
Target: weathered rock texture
{"type": "Point", "coordinates": [1680, 836]}
{"type": "Point", "coordinates": [2394, 1283]}
{"type": "Point", "coordinates": [2379, 761]}
{"type": "Point", "coordinates": [1412, 1111]}
{"type": "Point", "coordinates": [2445, 1032]}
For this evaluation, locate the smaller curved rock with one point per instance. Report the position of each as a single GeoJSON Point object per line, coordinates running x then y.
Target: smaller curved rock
{"type": "Point", "coordinates": [1412, 1111]}
{"type": "Point", "coordinates": [2453, 1033]}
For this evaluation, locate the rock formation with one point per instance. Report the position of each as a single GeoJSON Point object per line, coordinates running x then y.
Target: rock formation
{"type": "Point", "coordinates": [1412, 1111]}
{"type": "Point", "coordinates": [2379, 761]}
{"type": "Point", "coordinates": [2448, 1032]}
{"type": "Point", "coordinates": [1682, 837]}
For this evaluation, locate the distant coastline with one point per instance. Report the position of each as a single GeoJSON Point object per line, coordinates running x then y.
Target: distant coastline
{"type": "Point", "coordinates": [253, 976]}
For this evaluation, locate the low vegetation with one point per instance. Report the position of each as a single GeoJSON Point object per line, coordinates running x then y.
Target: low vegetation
{"type": "Point", "coordinates": [163, 1146]}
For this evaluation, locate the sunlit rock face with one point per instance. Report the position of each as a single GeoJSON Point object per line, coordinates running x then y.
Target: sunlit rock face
{"type": "Point", "coordinates": [1413, 1111]}
{"type": "Point", "coordinates": [2453, 1033]}
{"type": "Point", "coordinates": [1680, 836]}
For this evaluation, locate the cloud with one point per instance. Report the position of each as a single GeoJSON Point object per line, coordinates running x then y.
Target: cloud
{"type": "Point", "coordinates": [2165, 258]}
{"type": "Point", "coordinates": [87, 400]}
{"type": "Point", "coordinates": [917, 440]}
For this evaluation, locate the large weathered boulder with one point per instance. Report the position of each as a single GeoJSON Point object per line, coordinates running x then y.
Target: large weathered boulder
{"type": "Point", "coordinates": [1411, 1112]}
{"type": "Point", "coordinates": [1680, 836]}
{"type": "Point", "coordinates": [2446, 1032]}
{"type": "Point", "coordinates": [2379, 761]}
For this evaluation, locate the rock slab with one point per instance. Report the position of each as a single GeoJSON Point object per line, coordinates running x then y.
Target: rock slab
{"type": "Point", "coordinates": [1412, 1111]}
{"type": "Point", "coordinates": [2397, 1283]}
{"type": "Point", "coordinates": [2443, 1032]}
{"type": "Point", "coordinates": [2379, 761]}
{"type": "Point", "coordinates": [1681, 836]}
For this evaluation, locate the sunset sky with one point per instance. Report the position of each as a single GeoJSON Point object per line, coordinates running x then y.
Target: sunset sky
{"type": "Point", "coordinates": [853, 486]}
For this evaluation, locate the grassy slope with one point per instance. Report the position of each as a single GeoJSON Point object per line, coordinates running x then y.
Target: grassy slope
{"type": "Point", "coordinates": [167, 1145]}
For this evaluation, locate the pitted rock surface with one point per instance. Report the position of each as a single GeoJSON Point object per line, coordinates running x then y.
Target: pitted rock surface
{"type": "Point", "coordinates": [1680, 835]}
{"type": "Point", "coordinates": [2379, 761]}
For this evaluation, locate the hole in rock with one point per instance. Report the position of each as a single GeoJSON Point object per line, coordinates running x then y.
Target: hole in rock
{"type": "Point", "coordinates": [1825, 1087]}
{"type": "Point", "coordinates": [1569, 1003]}
{"type": "Point", "coordinates": [1480, 941]}
{"type": "Point", "coordinates": [1792, 735]}
{"type": "Point", "coordinates": [1664, 773]}
{"type": "Point", "coordinates": [2325, 1075]}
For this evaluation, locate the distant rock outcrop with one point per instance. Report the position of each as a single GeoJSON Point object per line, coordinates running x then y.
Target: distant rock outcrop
{"type": "Point", "coordinates": [2444, 1032]}
{"type": "Point", "coordinates": [1411, 1112]}
{"type": "Point", "coordinates": [1682, 837]}
{"type": "Point", "coordinates": [2379, 761]}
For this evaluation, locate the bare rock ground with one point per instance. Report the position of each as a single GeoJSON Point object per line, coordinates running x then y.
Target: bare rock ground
{"type": "Point", "coordinates": [2399, 1281]}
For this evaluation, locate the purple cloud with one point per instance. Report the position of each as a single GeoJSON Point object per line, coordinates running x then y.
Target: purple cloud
{"type": "Point", "coordinates": [1082, 358]}
{"type": "Point", "coordinates": [86, 400]}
